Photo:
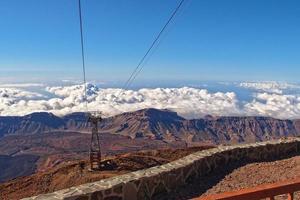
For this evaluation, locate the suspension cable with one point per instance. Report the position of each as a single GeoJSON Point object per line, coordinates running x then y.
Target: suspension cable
{"type": "Point", "coordinates": [139, 66]}
{"type": "Point", "coordinates": [82, 56]}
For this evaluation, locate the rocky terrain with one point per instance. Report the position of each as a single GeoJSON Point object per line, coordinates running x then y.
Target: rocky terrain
{"type": "Point", "coordinates": [74, 173]}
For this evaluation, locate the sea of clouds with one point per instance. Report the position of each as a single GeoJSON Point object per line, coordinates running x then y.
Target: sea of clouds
{"type": "Point", "coordinates": [267, 99]}
{"type": "Point", "coordinates": [270, 86]}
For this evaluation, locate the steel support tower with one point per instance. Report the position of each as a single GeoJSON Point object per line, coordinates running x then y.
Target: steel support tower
{"type": "Point", "coordinates": [95, 148]}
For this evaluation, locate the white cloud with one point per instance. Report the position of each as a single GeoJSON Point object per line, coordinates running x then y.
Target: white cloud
{"type": "Point", "coordinates": [21, 85]}
{"type": "Point", "coordinates": [188, 102]}
{"type": "Point", "coordinates": [10, 98]}
{"type": "Point", "coordinates": [274, 105]}
{"type": "Point", "coordinates": [269, 86]}
{"type": "Point", "coordinates": [13, 93]}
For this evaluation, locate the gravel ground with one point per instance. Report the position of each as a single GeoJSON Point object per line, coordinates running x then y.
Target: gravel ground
{"type": "Point", "coordinates": [241, 176]}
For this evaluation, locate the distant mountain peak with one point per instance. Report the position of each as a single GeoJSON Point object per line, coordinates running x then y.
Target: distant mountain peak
{"type": "Point", "coordinates": [160, 114]}
{"type": "Point", "coordinates": [40, 114]}
{"type": "Point", "coordinates": [91, 89]}
{"type": "Point", "coordinates": [210, 117]}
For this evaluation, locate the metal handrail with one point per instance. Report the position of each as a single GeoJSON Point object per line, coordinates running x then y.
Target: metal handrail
{"type": "Point", "coordinates": [268, 191]}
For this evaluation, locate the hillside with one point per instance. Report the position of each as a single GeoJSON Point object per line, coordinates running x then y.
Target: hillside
{"type": "Point", "coordinates": [22, 155]}
{"type": "Point", "coordinates": [74, 173]}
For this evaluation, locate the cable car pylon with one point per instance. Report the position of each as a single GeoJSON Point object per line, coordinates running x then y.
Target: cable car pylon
{"type": "Point", "coordinates": [92, 117]}
{"type": "Point", "coordinates": [95, 147]}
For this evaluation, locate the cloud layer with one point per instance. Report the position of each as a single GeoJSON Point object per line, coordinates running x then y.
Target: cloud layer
{"type": "Point", "coordinates": [188, 102]}
{"type": "Point", "coordinates": [269, 86]}
{"type": "Point", "coordinates": [274, 105]}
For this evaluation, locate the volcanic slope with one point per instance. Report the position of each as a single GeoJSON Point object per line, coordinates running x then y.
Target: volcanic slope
{"type": "Point", "coordinates": [22, 155]}
{"type": "Point", "coordinates": [74, 173]}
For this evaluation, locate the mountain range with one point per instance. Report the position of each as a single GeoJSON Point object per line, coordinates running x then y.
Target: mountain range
{"type": "Point", "coordinates": [157, 124]}
{"type": "Point", "coordinates": [40, 141]}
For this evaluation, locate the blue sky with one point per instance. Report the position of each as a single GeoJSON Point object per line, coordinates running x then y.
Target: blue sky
{"type": "Point", "coordinates": [210, 40]}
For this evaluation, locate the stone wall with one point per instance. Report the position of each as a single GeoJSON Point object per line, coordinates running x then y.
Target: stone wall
{"type": "Point", "coordinates": [148, 183]}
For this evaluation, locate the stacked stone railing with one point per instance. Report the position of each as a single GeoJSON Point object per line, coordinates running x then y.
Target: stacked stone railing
{"type": "Point", "coordinates": [148, 183]}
